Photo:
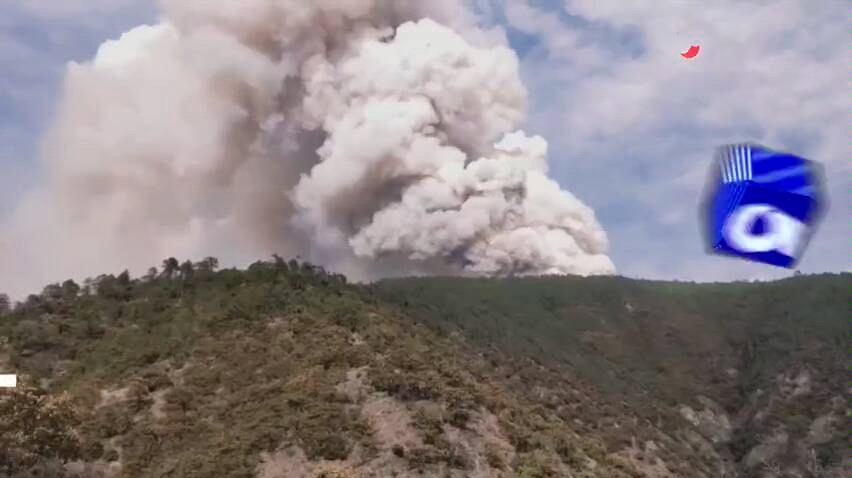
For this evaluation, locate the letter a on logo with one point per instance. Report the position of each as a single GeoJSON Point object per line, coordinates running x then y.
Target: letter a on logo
{"type": "Point", "coordinates": [782, 233]}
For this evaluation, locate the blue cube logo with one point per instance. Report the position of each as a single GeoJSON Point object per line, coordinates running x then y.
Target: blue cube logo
{"type": "Point", "coordinates": [762, 205]}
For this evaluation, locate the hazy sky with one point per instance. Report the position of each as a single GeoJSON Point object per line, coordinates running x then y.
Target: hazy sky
{"type": "Point", "coordinates": [631, 125]}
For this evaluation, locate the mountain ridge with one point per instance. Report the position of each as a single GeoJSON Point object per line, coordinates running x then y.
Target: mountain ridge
{"type": "Point", "coordinates": [285, 369]}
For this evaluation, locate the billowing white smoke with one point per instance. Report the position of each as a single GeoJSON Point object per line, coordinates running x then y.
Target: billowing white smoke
{"type": "Point", "coordinates": [375, 137]}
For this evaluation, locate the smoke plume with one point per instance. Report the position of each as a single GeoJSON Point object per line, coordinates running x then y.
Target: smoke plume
{"type": "Point", "coordinates": [375, 137]}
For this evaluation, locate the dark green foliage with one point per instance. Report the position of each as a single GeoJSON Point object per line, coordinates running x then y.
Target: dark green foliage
{"type": "Point", "coordinates": [36, 432]}
{"type": "Point", "coordinates": [216, 339]}
{"type": "Point", "coordinates": [627, 334]}
{"type": "Point", "coordinates": [219, 365]}
{"type": "Point", "coordinates": [658, 343]}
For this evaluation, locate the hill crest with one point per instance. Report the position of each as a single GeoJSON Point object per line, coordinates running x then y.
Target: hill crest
{"type": "Point", "coordinates": [286, 368]}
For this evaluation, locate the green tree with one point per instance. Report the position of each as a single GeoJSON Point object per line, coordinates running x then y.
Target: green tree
{"type": "Point", "coordinates": [186, 270]}
{"type": "Point", "coordinates": [280, 263]}
{"type": "Point", "coordinates": [70, 288]}
{"type": "Point", "coordinates": [37, 429]}
{"type": "Point", "coordinates": [208, 264]}
{"type": "Point", "coordinates": [124, 278]}
{"type": "Point", "coordinates": [170, 266]}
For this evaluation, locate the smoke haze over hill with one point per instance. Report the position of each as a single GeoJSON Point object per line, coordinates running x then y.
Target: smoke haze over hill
{"type": "Point", "coordinates": [377, 138]}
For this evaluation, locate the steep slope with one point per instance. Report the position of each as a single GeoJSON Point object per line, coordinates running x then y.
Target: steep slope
{"type": "Point", "coordinates": [760, 370]}
{"type": "Point", "coordinates": [282, 370]}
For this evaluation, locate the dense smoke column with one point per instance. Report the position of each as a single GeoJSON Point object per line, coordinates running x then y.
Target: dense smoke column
{"type": "Point", "coordinates": [374, 137]}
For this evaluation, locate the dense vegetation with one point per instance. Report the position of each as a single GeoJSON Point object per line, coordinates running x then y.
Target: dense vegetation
{"type": "Point", "coordinates": [192, 371]}
{"type": "Point", "coordinates": [47, 423]}
{"type": "Point", "coordinates": [604, 327]}
{"type": "Point", "coordinates": [654, 343]}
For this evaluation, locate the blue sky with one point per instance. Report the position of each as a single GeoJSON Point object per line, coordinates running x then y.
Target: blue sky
{"type": "Point", "coordinates": [631, 124]}
{"type": "Point", "coordinates": [38, 40]}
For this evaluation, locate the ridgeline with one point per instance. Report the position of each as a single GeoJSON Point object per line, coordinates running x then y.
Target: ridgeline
{"type": "Point", "coordinates": [286, 370]}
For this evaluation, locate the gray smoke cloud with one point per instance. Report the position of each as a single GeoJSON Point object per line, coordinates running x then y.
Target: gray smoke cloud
{"type": "Point", "coordinates": [375, 137]}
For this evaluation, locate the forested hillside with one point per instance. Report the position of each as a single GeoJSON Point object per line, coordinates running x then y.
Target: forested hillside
{"type": "Point", "coordinates": [773, 357]}
{"type": "Point", "coordinates": [286, 370]}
